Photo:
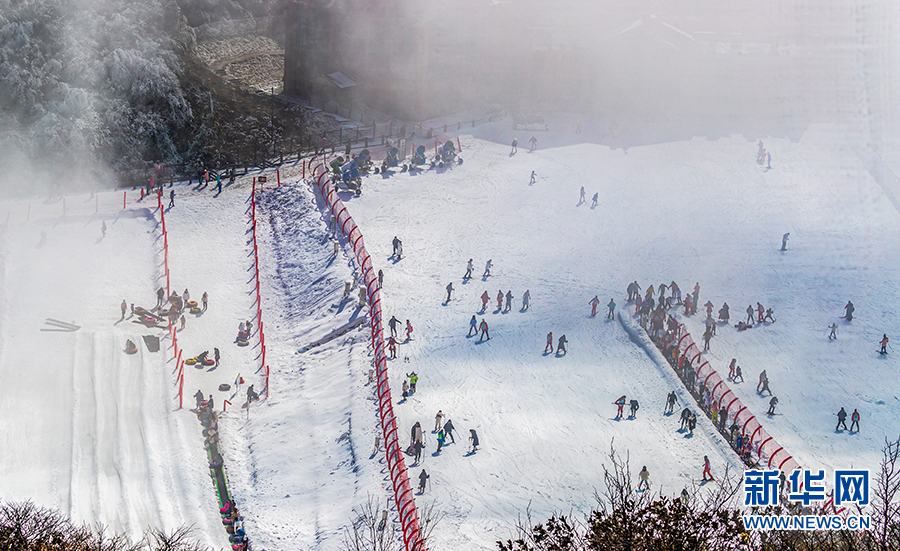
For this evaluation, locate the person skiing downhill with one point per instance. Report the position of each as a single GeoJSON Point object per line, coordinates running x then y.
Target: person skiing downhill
{"type": "Point", "coordinates": [854, 421]}
{"type": "Point", "coordinates": [396, 243]}
{"type": "Point", "coordinates": [549, 346]}
{"type": "Point", "coordinates": [706, 469]}
{"type": "Point", "coordinates": [620, 404]}
{"type": "Point", "coordinates": [499, 300]}
{"type": "Point", "coordinates": [440, 440]}
{"type": "Point", "coordinates": [448, 429]}
{"type": "Point", "coordinates": [562, 345]}
{"type": "Point", "coordinates": [612, 308]}
{"type": "Point", "coordinates": [392, 347]}
{"type": "Point", "coordinates": [594, 199]}
{"type": "Point", "coordinates": [842, 418]}
{"type": "Point", "coordinates": [487, 268]}
{"type": "Point", "coordinates": [784, 240]}
{"type": "Point", "coordinates": [884, 343]}
{"type": "Point", "coordinates": [526, 299]}
{"type": "Point", "coordinates": [833, 333]}
{"type": "Point", "coordinates": [731, 368]}
{"type": "Point", "coordinates": [769, 315]}
{"type": "Point", "coordinates": [850, 309]}
{"type": "Point", "coordinates": [473, 326]}
{"type": "Point", "coordinates": [532, 177]}
{"type": "Point", "coordinates": [172, 198]}
{"type": "Point", "coordinates": [469, 268]}
{"type": "Point", "coordinates": [509, 297]}
{"type": "Point", "coordinates": [485, 298]}
{"type": "Point", "coordinates": [409, 330]}
{"type": "Point", "coordinates": [737, 374]}
{"type": "Point", "coordinates": [515, 146]}
{"type": "Point", "coordinates": [772, 403]}
{"type": "Point", "coordinates": [581, 196]}
{"type": "Point", "coordinates": [438, 420]}
{"type": "Point", "coordinates": [594, 302]}
{"type": "Point", "coordinates": [449, 290]}
{"type": "Point", "coordinates": [484, 330]}
{"type": "Point", "coordinates": [473, 438]}
{"type": "Point", "coordinates": [763, 377]}
{"type": "Point", "coordinates": [671, 400]}
{"type": "Point", "coordinates": [645, 479]}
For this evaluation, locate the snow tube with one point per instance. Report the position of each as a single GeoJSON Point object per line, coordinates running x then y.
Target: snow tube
{"type": "Point", "coordinates": [224, 387]}
{"type": "Point", "coordinates": [141, 311]}
{"type": "Point", "coordinates": [190, 361]}
{"type": "Point", "coordinates": [208, 361]}
{"type": "Point", "coordinates": [195, 309]}
{"type": "Point", "coordinates": [191, 303]}
{"type": "Point", "coordinates": [243, 343]}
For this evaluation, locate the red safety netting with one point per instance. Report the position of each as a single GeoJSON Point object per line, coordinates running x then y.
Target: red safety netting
{"type": "Point", "coordinates": [762, 446]}
{"type": "Point", "coordinates": [403, 492]}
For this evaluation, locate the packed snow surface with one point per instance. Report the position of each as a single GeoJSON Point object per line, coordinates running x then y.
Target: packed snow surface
{"type": "Point", "coordinates": [97, 433]}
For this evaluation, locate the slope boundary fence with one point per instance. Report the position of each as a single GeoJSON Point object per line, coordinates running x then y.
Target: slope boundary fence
{"type": "Point", "coordinates": [259, 320]}
{"type": "Point", "coordinates": [757, 447]}
{"type": "Point", "coordinates": [403, 492]}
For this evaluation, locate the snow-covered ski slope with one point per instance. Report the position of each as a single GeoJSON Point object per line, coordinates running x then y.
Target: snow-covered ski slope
{"type": "Point", "coordinates": [85, 428]}
{"type": "Point", "coordinates": [690, 211]}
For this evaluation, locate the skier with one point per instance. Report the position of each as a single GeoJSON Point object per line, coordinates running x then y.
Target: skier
{"type": "Point", "coordinates": [594, 199]}
{"type": "Point", "coordinates": [634, 406]}
{"type": "Point", "coordinates": [485, 297]}
{"type": "Point", "coordinates": [707, 335]}
{"type": "Point", "coordinates": [581, 196]}
{"type": "Point", "coordinates": [252, 396]}
{"type": "Point", "coordinates": [737, 374]}
{"type": "Point", "coordinates": [833, 333]}
{"type": "Point", "coordinates": [473, 326]}
{"type": "Point", "coordinates": [415, 433]}
{"type": "Point", "coordinates": [380, 278]}
{"type": "Point", "coordinates": [784, 240]}
{"type": "Point", "coordinates": [473, 438]}
{"type": "Point", "coordinates": [884, 343]}
{"type": "Point", "coordinates": [204, 299]}
{"type": "Point", "coordinates": [671, 400]}
{"type": "Point", "coordinates": [440, 440]}
{"type": "Point", "coordinates": [692, 423]}
{"type": "Point", "coordinates": [549, 346]}
{"type": "Point", "coordinates": [696, 295]}
{"type": "Point", "coordinates": [760, 152]}
{"type": "Point", "coordinates": [515, 146]}
{"type": "Point", "coordinates": [413, 381]}
{"type": "Point", "coordinates": [532, 177]}
{"type": "Point", "coordinates": [612, 308]}
{"type": "Point", "coordinates": [124, 308]}
{"type": "Point", "coordinates": [709, 308]}
{"type": "Point", "coordinates": [772, 403]}
{"type": "Point", "coordinates": [438, 421]}
{"type": "Point", "coordinates": [723, 313]}
{"type": "Point", "coordinates": [620, 404]}
{"type": "Point", "coordinates": [526, 299]}
{"type": "Point", "coordinates": [768, 160]}
{"type": "Point", "coordinates": [103, 228]}
{"type": "Point", "coordinates": [499, 300]}
{"type": "Point", "coordinates": [759, 312]}
{"type": "Point", "coordinates": [396, 243]}
{"type": "Point", "coordinates": [418, 446]}
{"type": "Point", "coordinates": [765, 387]}
{"type": "Point", "coordinates": [676, 292]}
{"type": "Point", "coordinates": [763, 377]}
{"type": "Point", "coordinates": [706, 469]}
{"type": "Point", "coordinates": [750, 314]}
{"type": "Point", "coordinates": [409, 331]}
{"type": "Point", "coordinates": [645, 479]}
{"type": "Point", "coordinates": [392, 347]}
{"type": "Point", "coordinates": [850, 309]}
{"type": "Point", "coordinates": [854, 421]}
{"type": "Point", "coordinates": [484, 330]}
{"type": "Point", "coordinates": [731, 368]}
{"type": "Point", "coordinates": [469, 269]}
{"type": "Point", "coordinates": [216, 356]}
{"type": "Point", "coordinates": [172, 198]}
{"type": "Point", "coordinates": [448, 429]}
{"type": "Point", "coordinates": [509, 297]}
{"type": "Point", "coordinates": [685, 417]}
{"type": "Point", "coordinates": [562, 345]}
{"type": "Point", "coordinates": [405, 389]}
{"type": "Point", "coordinates": [533, 142]}
{"type": "Point", "coordinates": [842, 418]}
{"type": "Point", "coordinates": [160, 296]}
{"type": "Point", "coordinates": [487, 269]}
{"type": "Point", "coordinates": [769, 315]}
{"type": "Point", "coordinates": [393, 323]}
{"type": "Point", "coordinates": [594, 302]}
{"type": "Point", "coordinates": [449, 290]}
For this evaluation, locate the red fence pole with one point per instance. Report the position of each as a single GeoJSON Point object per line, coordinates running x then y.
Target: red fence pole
{"type": "Point", "coordinates": [225, 405]}
{"type": "Point", "coordinates": [125, 198]}
{"type": "Point", "coordinates": [278, 176]}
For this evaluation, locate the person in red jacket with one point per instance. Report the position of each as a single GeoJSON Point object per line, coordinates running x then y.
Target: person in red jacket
{"type": "Point", "coordinates": [485, 298]}
{"type": "Point", "coordinates": [484, 330]}
{"type": "Point", "coordinates": [884, 343]}
{"type": "Point", "coordinates": [549, 347]}
{"type": "Point", "coordinates": [706, 470]}
{"type": "Point", "coordinates": [621, 404]}
{"type": "Point", "coordinates": [854, 421]}
{"type": "Point", "coordinates": [594, 302]}
{"type": "Point", "coordinates": [760, 312]}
